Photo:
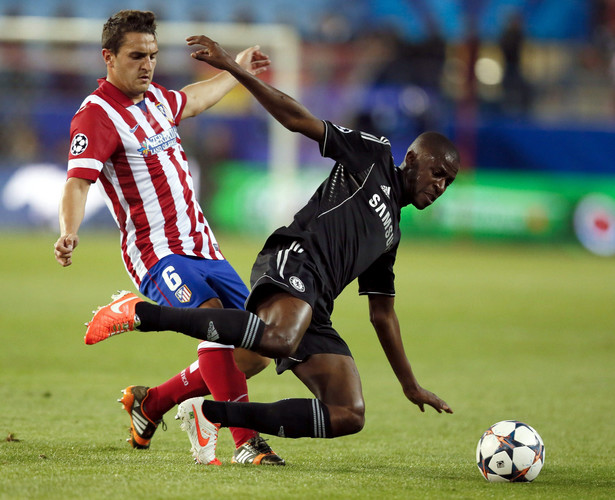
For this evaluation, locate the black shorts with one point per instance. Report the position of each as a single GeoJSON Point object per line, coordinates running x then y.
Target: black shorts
{"type": "Point", "coordinates": [285, 265]}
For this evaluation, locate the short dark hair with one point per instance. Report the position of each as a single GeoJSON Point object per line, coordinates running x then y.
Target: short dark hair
{"type": "Point", "coordinates": [439, 144]}
{"type": "Point", "coordinates": [126, 21]}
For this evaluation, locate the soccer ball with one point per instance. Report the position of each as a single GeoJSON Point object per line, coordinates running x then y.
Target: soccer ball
{"type": "Point", "coordinates": [510, 451]}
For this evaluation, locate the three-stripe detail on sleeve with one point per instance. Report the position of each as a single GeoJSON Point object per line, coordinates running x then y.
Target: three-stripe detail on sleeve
{"type": "Point", "coordinates": [283, 256]}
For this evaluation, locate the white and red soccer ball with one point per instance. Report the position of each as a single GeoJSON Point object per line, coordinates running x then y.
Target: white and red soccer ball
{"type": "Point", "coordinates": [510, 451]}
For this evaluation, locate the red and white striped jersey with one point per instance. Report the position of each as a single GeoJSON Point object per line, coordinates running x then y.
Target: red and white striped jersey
{"type": "Point", "coordinates": [135, 152]}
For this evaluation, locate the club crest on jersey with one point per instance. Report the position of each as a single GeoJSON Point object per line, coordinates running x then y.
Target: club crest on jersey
{"type": "Point", "coordinates": [159, 142]}
{"type": "Point", "coordinates": [183, 294]}
{"type": "Point", "coordinates": [297, 284]}
{"type": "Point", "coordinates": [167, 114]}
{"type": "Point", "coordinates": [79, 144]}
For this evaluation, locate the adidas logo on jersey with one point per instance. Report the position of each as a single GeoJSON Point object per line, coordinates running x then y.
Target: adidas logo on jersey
{"type": "Point", "coordinates": [386, 190]}
{"type": "Point", "coordinates": [212, 333]}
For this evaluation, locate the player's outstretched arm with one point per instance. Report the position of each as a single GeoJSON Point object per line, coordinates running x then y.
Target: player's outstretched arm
{"type": "Point", "coordinates": [205, 94]}
{"type": "Point", "coordinates": [71, 212]}
{"type": "Point", "coordinates": [290, 113]}
{"type": "Point", "coordinates": [384, 319]}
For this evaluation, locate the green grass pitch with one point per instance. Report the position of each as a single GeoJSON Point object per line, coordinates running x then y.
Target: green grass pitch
{"type": "Point", "coordinates": [498, 331]}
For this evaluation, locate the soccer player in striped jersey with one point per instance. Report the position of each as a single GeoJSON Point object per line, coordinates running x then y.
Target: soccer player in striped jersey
{"type": "Point", "coordinates": [348, 229]}
{"type": "Point", "coordinates": [125, 136]}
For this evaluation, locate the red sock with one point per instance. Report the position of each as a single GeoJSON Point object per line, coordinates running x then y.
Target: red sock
{"type": "Point", "coordinates": [186, 384]}
{"type": "Point", "coordinates": [227, 383]}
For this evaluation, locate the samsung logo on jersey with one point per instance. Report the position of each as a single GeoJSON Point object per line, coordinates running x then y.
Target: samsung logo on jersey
{"type": "Point", "coordinates": [385, 217]}
{"type": "Point", "coordinates": [159, 142]}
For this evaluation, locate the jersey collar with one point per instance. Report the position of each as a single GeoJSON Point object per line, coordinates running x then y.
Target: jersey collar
{"type": "Point", "coordinates": [114, 93]}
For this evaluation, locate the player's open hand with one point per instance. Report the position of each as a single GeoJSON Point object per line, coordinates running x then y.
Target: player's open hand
{"type": "Point", "coordinates": [422, 397]}
{"type": "Point", "coordinates": [250, 59]}
{"type": "Point", "coordinates": [63, 249]}
{"type": "Point", "coordinates": [211, 52]}
{"type": "Point", "coordinates": [253, 60]}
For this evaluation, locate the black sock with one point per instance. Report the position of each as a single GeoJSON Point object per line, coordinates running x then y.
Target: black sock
{"type": "Point", "coordinates": [225, 326]}
{"type": "Point", "coordinates": [291, 418]}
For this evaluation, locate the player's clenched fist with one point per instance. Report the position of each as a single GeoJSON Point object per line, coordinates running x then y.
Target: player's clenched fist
{"type": "Point", "coordinates": [63, 249]}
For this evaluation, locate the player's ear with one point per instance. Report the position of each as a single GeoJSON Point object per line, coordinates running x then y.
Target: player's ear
{"type": "Point", "coordinates": [410, 157]}
{"type": "Point", "coordinates": [107, 57]}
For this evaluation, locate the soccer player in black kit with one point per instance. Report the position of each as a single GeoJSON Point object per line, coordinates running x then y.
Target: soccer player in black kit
{"type": "Point", "coordinates": [349, 229]}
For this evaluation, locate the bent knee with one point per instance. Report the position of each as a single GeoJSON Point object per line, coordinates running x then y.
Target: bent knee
{"type": "Point", "coordinates": [349, 421]}
{"type": "Point", "coordinates": [355, 421]}
{"type": "Point", "coordinates": [280, 343]}
{"type": "Point", "coordinates": [280, 350]}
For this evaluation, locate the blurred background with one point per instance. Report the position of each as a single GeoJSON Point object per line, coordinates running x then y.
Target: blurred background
{"type": "Point", "coordinates": [526, 89]}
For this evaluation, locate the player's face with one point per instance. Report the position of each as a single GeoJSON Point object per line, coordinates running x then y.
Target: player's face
{"type": "Point", "coordinates": [427, 177]}
{"type": "Point", "coordinates": [131, 70]}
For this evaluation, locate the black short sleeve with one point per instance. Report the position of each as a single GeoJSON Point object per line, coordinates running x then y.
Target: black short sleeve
{"type": "Point", "coordinates": [379, 278]}
{"type": "Point", "coordinates": [354, 149]}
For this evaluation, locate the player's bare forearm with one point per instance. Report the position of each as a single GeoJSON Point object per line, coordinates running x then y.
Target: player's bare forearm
{"type": "Point", "coordinates": [290, 113]}
{"type": "Point", "coordinates": [71, 213]}
{"type": "Point", "coordinates": [205, 94]}
{"type": "Point", "coordinates": [385, 322]}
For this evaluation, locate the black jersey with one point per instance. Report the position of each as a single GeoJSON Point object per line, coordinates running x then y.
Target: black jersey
{"type": "Point", "coordinates": [350, 226]}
